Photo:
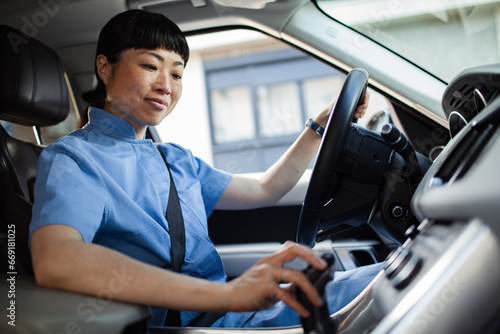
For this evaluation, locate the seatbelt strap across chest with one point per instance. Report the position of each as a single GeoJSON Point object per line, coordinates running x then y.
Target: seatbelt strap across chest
{"type": "Point", "coordinates": [177, 238]}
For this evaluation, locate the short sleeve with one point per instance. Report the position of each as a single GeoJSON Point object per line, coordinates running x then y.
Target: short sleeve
{"type": "Point", "coordinates": [68, 192]}
{"type": "Point", "coordinates": [213, 183]}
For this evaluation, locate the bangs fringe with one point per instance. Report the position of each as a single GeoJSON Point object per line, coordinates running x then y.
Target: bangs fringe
{"type": "Point", "coordinates": [155, 31]}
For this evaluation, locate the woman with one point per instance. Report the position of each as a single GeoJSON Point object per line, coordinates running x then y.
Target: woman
{"type": "Point", "coordinates": [99, 224]}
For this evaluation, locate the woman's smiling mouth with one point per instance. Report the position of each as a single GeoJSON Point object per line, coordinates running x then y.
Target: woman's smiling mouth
{"type": "Point", "coordinates": [157, 103]}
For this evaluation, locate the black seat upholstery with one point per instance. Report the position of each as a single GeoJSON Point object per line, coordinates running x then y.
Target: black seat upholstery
{"type": "Point", "coordinates": [33, 92]}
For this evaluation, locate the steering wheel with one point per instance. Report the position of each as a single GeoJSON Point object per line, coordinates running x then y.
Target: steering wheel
{"type": "Point", "coordinates": [336, 130]}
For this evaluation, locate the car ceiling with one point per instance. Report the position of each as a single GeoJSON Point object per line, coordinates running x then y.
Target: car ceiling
{"type": "Point", "coordinates": [82, 22]}
{"type": "Point", "coordinates": [83, 19]}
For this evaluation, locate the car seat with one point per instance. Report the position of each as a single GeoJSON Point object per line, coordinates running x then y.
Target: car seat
{"type": "Point", "coordinates": [33, 92]}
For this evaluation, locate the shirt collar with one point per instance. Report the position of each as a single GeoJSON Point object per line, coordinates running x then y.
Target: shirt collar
{"type": "Point", "coordinates": [110, 124]}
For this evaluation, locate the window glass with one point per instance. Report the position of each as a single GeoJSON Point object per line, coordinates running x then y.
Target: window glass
{"type": "Point", "coordinates": [441, 36]}
{"type": "Point", "coordinates": [279, 109]}
{"type": "Point", "coordinates": [259, 94]}
{"type": "Point", "coordinates": [318, 92]}
{"type": "Point", "coordinates": [232, 114]}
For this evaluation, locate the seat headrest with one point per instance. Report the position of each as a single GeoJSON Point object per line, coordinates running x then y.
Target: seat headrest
{"type": "Point", "coordinates": [33, 89]}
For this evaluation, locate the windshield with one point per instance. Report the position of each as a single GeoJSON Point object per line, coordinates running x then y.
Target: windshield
{"type": "Point", "coordinates": [442, 36]}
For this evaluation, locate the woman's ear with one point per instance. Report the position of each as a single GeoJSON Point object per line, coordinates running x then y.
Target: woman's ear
{"type": "Point", "coordinates": [103, 68]}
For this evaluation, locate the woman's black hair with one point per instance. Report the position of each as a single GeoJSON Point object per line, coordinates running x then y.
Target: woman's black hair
{"type": "Point", "coordinates": [137, 29]}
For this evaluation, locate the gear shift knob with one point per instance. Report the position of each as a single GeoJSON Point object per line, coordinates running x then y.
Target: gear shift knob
{"type": "Point", "coordinates": [319, 322]}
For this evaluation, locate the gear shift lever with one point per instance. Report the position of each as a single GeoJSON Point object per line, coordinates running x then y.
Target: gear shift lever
{"type": "Point", "coordinates": [319, 322]}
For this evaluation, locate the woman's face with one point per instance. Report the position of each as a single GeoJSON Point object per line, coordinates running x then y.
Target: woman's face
{"type": "Point", "coordinates": [143, 87]}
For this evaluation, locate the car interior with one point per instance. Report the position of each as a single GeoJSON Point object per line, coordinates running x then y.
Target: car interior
{"type": "Point", "coordinates": [421, 194]}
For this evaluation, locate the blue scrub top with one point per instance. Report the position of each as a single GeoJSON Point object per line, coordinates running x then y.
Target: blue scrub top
{"type": "Point", "coordinates": [114, 190]}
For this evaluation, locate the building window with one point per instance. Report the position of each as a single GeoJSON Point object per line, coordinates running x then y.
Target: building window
{"type": "Point", "coordinates": [232, 114]}
{"type": "Point", "coordinates": [260, 103]}
{"type": "Point", "coordinates": [318, 92]}
{"type": "Point", "coordinates": [279, 110]}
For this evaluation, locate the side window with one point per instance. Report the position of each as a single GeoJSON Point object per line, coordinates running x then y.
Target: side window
{"type": "Point", "coordinates": [259, 103]}
{"type": "Point", "coordinates": [259, 94]}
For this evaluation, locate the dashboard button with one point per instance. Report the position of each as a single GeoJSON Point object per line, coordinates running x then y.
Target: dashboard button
{"type": "Point", "coordinates": [406, 274]}
{"type": "Point", "coordinates": [397, 261]}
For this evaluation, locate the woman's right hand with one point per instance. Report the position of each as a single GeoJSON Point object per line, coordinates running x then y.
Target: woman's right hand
{"type": "Point", "coordinates": [260, 287]}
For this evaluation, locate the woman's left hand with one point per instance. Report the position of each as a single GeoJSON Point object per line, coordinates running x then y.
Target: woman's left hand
{"type": "Point", "coordinates": [322, 117]}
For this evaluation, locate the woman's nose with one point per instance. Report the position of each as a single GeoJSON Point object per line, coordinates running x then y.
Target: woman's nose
{"type": "Point", "coordinates": [163, 84]}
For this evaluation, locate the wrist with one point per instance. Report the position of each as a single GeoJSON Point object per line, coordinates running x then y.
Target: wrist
{"type": "Point", "coordinates": [318, 129]}
{"type": "Point", "coordinates": [222, 297]}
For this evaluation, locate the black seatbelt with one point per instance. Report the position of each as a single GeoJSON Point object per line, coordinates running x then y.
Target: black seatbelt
{"type": "Point", "coordinates": [177, 238]}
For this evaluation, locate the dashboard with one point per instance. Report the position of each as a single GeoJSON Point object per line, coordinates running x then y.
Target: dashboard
{"type": "Point", "coordinates": [463, 181]}
{"type": "Point", "coordinates": [444, 278]}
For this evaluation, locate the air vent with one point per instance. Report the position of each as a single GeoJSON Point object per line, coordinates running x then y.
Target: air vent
{"type": "Point", "coordinates": [461, 96]}
{"type": "Point", "coordinates": [463, 156]}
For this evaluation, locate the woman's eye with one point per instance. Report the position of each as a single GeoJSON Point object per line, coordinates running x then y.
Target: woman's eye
{"type": "Point", "coordinates": [177, 76]}
{"type": "Point", "coordinates": [150, 67]}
